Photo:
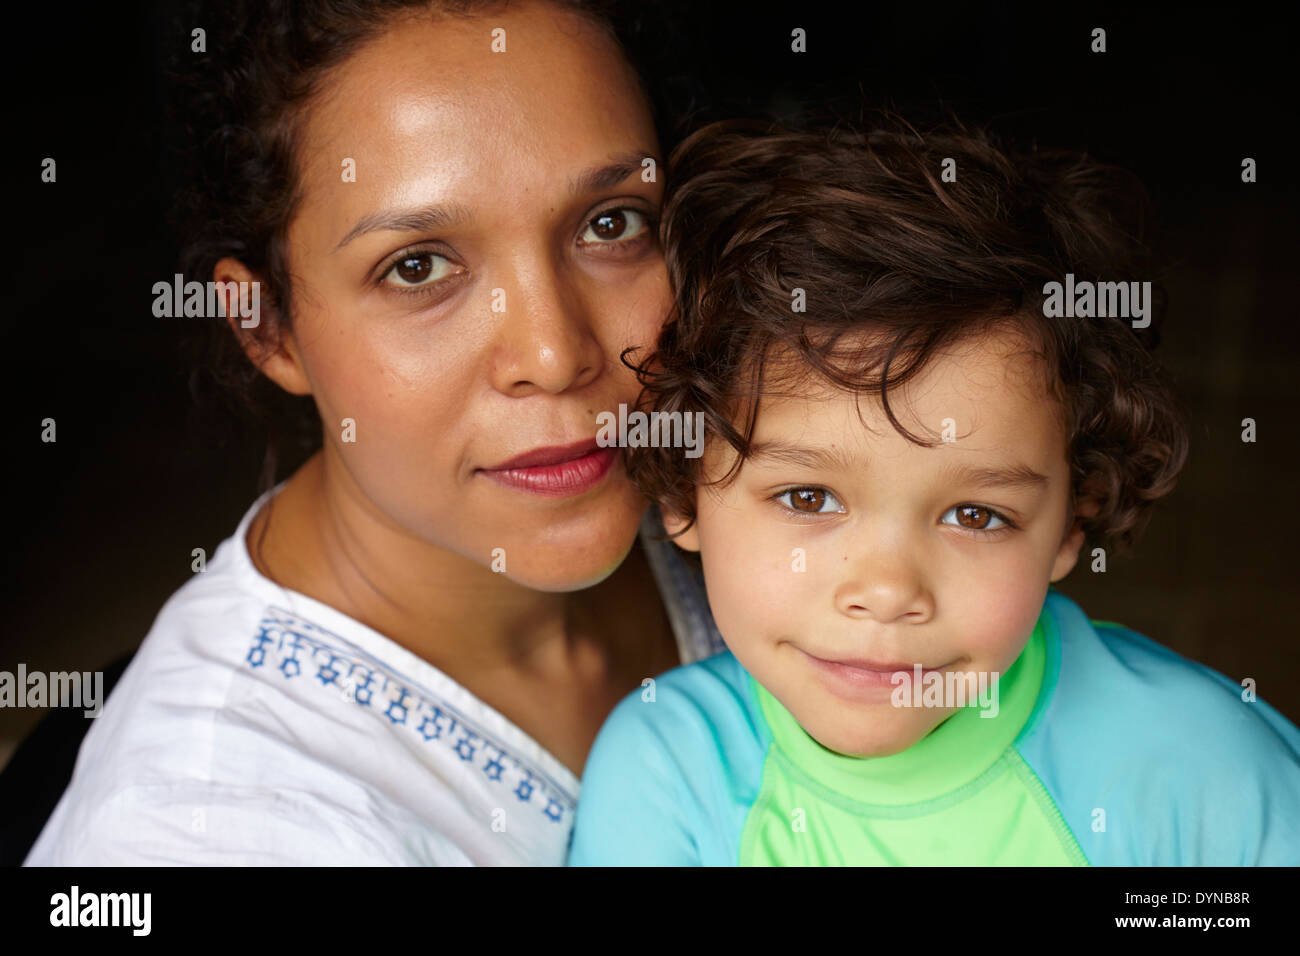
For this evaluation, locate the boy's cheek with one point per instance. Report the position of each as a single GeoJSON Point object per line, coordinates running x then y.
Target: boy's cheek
{"type": "Point", "coordinates": [995, 601]}
{"type": "Point", "coordinates": [763, 587]}
{"type": "Point", "coordinates": [997, 630]}
{"type": "Point", "coordinates": [764, 580]}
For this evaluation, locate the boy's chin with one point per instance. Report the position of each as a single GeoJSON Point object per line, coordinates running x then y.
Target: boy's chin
{"type": "Point", "coordinates": [883, 740]}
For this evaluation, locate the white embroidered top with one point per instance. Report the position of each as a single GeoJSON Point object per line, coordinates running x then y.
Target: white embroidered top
{"type": "Point", "coordinates": [256, 725]}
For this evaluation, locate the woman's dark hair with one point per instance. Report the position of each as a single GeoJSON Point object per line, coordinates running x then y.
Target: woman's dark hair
{"type": "Point", "coordinates": [235, 115]}
{"type": "Point", "coordinates": [866, 223]}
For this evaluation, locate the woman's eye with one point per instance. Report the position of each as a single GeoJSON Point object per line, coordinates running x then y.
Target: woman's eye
{"type": "Point", "coordinates": [615, 225]}
{"type": "Point", "coordinates": [810, 501]}
{"type": "Point", "coordinates": [418, 269]}
{"type": "Point", "coordinates": [975, 518]}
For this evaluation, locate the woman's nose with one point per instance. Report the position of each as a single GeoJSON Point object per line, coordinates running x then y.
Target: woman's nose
{"type": "Point", "coordinates": [547, 339]}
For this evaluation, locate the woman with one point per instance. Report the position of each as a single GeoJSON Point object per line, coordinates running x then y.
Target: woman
{"type": "Point", "coordinates": [407, 658]}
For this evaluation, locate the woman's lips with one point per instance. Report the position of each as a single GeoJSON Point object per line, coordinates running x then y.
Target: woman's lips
{"type": "Point", "coordinates": [557, 471]}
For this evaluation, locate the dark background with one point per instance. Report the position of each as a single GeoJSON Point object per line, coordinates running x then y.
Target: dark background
{"type": "Point", "coordinates": [103, 522]}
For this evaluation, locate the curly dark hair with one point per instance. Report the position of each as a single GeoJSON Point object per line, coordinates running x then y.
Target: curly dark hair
{"type": "Point", "coordinates": [862, 221]}
{"type": "Point", "coordinates": [235, 123]}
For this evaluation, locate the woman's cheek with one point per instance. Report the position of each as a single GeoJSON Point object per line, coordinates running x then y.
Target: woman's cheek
{"type": "Point", "coordinates": [642, 306]}
{"type": "Point", "coordinates": [397, 433]}
{"type": "Point", "coordinates": [393, 375]}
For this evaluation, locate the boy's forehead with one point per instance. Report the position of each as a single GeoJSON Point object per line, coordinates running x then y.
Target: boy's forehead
{"type": "Point", "coordinates": [989, 390]}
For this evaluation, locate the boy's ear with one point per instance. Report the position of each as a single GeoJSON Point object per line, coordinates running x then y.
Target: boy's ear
{"type": "Point", "coordinates": [267, 345]}
{"type": "Point", "coordinates": [1068, 554]}
{"type": "Point", "coordinates": [673, 523]}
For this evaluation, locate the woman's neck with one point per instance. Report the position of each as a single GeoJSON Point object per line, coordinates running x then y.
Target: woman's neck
{"type": "Point", "coordinates": [323, 538]}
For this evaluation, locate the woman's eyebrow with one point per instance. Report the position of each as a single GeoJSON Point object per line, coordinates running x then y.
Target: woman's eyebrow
{"type": "Point", "coordinates": [442, 215]}
{"type": "Point", "coordinates": [420, 219]}
{"type": "Point", "coordinates": [610, 174]}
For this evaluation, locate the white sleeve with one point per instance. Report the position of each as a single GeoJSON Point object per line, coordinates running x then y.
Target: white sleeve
{"type": "Point", "coordinates": [204, 824]}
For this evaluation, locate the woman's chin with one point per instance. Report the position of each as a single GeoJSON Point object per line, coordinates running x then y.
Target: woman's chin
{"type": "Point", "coordinates": [571, 559]}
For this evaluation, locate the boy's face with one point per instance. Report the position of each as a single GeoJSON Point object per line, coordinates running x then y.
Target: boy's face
{"type": "Point", "coordinates": [841, 551]}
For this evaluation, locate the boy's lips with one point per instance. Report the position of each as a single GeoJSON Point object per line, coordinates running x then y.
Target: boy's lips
{"type": "Point", "coordinates": [852, 675]}
{"type": "Point", "coordinates": [867, 665]}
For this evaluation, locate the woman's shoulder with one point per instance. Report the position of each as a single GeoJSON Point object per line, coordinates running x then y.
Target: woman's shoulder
{"type": "Point", "coordinates": [255, 725]}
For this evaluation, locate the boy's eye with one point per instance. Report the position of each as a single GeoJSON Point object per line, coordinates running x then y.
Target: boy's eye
{"type": "Point", "coordinates": [418, 269]}
{"type": "Point", "coordinates": [615, 225]}
{"type": "Point", "coordinates": [975, 518]}
{"type": "Point", "coordinates": [810, 501]}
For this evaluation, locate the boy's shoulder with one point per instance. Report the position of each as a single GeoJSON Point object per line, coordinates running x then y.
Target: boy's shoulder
{"type": "Point", "coordinates": [707, 701]}
{"type": "Point", "coordinates": [696, 723]}
{"type": "Point", "coordinates": [1152, 756]}
{"type": "Point", "coordinates": [1119, 677]}
{"type": "Point", "coordinates": [673, 771]}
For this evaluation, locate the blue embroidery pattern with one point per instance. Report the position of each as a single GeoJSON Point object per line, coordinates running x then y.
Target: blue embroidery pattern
{"type": "Point", "coordinates": [294, 645]}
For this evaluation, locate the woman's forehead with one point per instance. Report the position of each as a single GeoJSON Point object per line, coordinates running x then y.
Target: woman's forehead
{"type": "Point", "coordinates": [431, 103]}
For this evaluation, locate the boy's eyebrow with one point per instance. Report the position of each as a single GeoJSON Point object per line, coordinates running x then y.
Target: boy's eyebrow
{"type": "Point", "coordinates": [1011, 476]}
{"type": "Point", "coordinates": [804, 457]}
{"type": "Point", "coordinates": [442, 215]}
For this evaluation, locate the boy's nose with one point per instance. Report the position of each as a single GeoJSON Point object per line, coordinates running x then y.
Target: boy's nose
{"type": "Point", "coordinates": [886, 588]}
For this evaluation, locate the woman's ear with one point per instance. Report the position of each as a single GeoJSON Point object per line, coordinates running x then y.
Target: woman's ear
{"type": "Point", "coordinates": [673, 523]}
{"type": "Point", "coordinates": [268, 345]}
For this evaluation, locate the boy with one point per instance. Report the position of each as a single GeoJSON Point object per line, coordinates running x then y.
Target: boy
{"type": "Point", "coordinates": [908, 440]}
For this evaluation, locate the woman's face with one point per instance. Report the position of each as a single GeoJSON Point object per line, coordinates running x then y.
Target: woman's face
{"type": "Point", "coordinates": [464, 297]}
